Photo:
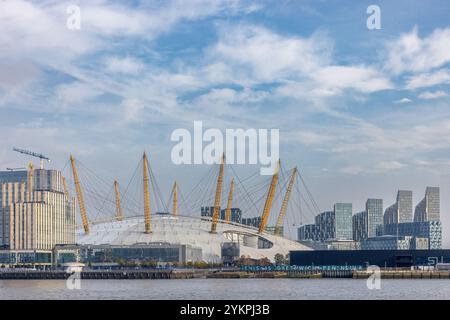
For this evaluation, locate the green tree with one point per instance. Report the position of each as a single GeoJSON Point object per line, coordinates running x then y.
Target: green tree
{"type": "Point", "coordinates": [279, 259]}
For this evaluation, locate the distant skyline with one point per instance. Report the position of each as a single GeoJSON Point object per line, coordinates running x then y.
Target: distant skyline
{"type": "Point", "coordinates": [362, 113]}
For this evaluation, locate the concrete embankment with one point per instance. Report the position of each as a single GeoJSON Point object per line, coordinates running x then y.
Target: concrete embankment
{"type": "Point", "coordinates": [103, 274]}
{"type": "Point", "coordinates": [404, 274]}
{"type": "Point", "coordinates": [191, 274]}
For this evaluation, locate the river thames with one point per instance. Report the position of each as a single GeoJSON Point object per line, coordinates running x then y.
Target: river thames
{"type": "Point", "coordinates": [218, 289]}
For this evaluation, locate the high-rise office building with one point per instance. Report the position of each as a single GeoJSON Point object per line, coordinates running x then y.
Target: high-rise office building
{"type": "Point", "coordinates": [401, 210]}
{"type": "Point", "coordinates": [360, 226]}
{"type": "Point", "coordinates": [429, 208]}
{"type": "Point", "coordinates": [252, 222]}
{"type": "Point", "coordinates": [236, 213]}
{"type": "Point", "coordinates": [374, 210]}
{"type": "Point", "coordinates": [35, 212]}
{"type": "Point", "coordinates": [367, 224]}
{"type": "Point", "coordinates": [326, 226]}
{"type": "Point", "coordinates": [330, 225]}
{"type": "Point", "coordinates": [404, 206]}
{"type": "Point", "coordinates": [343, 218]}
{"type": "Point", "coordinates": [308, 232]}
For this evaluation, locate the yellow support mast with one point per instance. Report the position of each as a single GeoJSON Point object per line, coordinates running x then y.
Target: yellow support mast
{"type": "Point", "coordinates": [218, 197]}
{"type": "Point", "coordinates": [280, 219]}
{"type": "Point", "coordinates": [119, 214]}
{"type": "Point", "coordinates": [269, 200]}
{"type": "Point", "coordinates": [175, 199]}
{"type": "Point", "coordinates": [147, 212]}
{"type": "Point", "coordinates": [66, 191]}
{"type": "Point", "coordinates": [84, 218]}
{"type": "Point", "coordinates": [230, 201]}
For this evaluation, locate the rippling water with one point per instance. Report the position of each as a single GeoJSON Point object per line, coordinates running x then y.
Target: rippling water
{"type": "Point", "coordinates": [199, 289]}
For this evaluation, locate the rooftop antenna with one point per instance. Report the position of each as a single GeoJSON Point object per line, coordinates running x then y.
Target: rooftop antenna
{"type": "Point", "coordinates": [33, 154]}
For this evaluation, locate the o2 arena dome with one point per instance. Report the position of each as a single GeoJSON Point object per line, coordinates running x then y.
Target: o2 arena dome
{"type": "Point", "coordinates": [191, 231]}
{"type": "Point", "coordinates": [208, 232]}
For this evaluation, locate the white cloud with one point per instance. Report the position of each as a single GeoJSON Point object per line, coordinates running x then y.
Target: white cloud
{"type": "Point", "coordinates": [73, 94]}
{"type": "Point", "coordinates": [132, 109]}
{"type": "Point", "coordinates": [410, 53]}
{"type": "Point", "coordinates": [127, 65]}
{"type": "Point", "coordinates": [361, 78]}
{"type": "Point", "coordinates": [390, 166]}
{"type": "Point", "coordinates": [309, 138]}
{"type": "Point", "coordinates": [428, 95]}
{"type": "Point", "coordinates": [425, 80]}
{"type": "Point", "coordinates": [403, 101]}
{"type": "Point", "coordinates": [353, 169]}
{"type": "Point", "coordinates": [248, 55]}
{"type": "Point", "coordinates": [268, 56]}
{"type": "Point", "coordinates": [377, 168]}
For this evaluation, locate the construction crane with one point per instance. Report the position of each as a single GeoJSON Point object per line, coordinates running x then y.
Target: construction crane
{"type": "Point", "coordinates": [80, 197]}
{"type": "Point", "coordinates": [33, 154]}
{"type": "Point", "coordinates": [119, 214]}
{"type": "Point", "coordinates": [218, 197]}
{"type": "Point", "coordinates": [147, 210]}
{"type": "Point", "coordinates": [229, 202]}
{"type": "Point", "coordinates": [279, 224]}
{"type": "Point", "coordinates": [269, 199]}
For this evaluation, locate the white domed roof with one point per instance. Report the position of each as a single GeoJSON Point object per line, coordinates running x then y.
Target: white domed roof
{"type": "Point", "coordinates": [193, 231]}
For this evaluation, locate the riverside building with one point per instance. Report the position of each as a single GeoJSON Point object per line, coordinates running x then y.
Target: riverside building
{"type": "Point", "coordinates": [35, 211]}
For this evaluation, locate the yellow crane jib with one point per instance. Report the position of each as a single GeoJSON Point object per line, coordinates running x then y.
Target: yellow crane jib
{"type": "Point", "coordinates": [119, 214]}
{"type": "Point", "coordinates": [279, 225]}
{"type": "Point", "coordinates": [175, 199]}
{"type": "Point", "coordinates": [80, 197]}
{"type": "Point", "coordinates": [147, 210]}
{"type": "Point", "coordinates": [215, 216]}
{"type": "Point", "coordinates": [269, 199]}
{"type": "Point", "coordinates": [230, 201]}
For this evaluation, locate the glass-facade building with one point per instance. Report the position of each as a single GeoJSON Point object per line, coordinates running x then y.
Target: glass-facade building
{"type": "Point", "coordinates": [343, 216]}
{"type": "Point", "coordinates": [154, 252]}
{"type": "Point", "coordinates": [329, 225]}
{"type": "Point", "coordinates": [404, 206]}
{"type": "Point", "coordinates": [326, 226]}
{"type": "Point", "coordinates": [387, 243]}
{"type": "Point", "coordinates": [236, 213]}
{"type": "Point", "coordinates": [401, 210]}
{"type": "Point", "coordinates": [432, 230]}
{"type": "Point", "coordinates": [368, 223]}
{"type": "Point", "coordinates": [360, 226]}
{"type": "Point", "coordinates": [8, 257]}
{"type": "Point", "coordinates": [429, 208]}
{"type": "Point", "coordinates": [252, 222]}
{"type": "Point", "coordinates": [374, 209]}
{"type": "Point", "coordinates": [308, 232]}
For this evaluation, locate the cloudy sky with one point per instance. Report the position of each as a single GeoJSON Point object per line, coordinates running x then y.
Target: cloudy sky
{"type": "Point", "coordinates": [362, 112]}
